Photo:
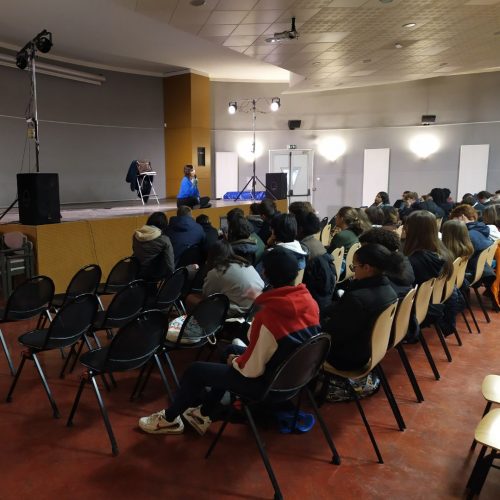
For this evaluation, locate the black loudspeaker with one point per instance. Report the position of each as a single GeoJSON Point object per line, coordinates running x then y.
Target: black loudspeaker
{"type": "Point", "coordinates": [201, 157]}
{"type": "Point", "coordinates": [293, 124]}
{"type": "Point", "coordinates": [38, 198]}
{"type": "Point", "coordinates": [276, 184]}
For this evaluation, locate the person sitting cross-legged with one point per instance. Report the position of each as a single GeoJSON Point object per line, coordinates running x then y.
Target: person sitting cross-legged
{"type": "Point", "coordinates": [287, 316]}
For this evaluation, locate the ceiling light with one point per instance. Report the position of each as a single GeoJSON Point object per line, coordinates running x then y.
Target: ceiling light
{"type": "Point", "coordinates": [43, 41]}
{"type": "Point", "coordinates": [366, 61]}
{"type": "Point", "coordinates": [409, 25]}
{"type": "Point", "coordinates": [290, 34]}
{"type": "Point", "coordinates": [198, 3]}
{"type": "Point", "coordinates": [316, 63]}
{"type": "Point", "coordinates": [275, 104]}
{"type": "Point", "coordinates": [398, 45]}
{"type": "Point", "coordinates": [231, 109]}
{"type": "Point", "coordinates": [22, 60]}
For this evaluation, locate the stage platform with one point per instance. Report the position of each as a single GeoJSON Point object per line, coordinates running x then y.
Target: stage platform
{"type": "Point", "coordinates": [99, 233]}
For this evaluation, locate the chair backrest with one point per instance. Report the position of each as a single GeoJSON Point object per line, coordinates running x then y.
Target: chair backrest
{"type": "Point", "coordinates": [402, 318]}
{"type": "Point", "coordinates": [338, 255]}
{"type": "Point", "coordinates": [423, 298]}
{"type": "Point", "coordinates": [127, 303]}
{"type": "Point", "coordinates": [325, 235]}
{"type": "Point", "coordinates": [452, 280]}
{"type": "Point", "coordinates": [29, 299]}
{"type": "Point", "coordinates": [480, 263]}
{"type": "Point", "coordinates": [73, 319]}
{"type": "Point", "coordinates": [381, 332]}
{"type": "Point", "coordinates": [491, 254]}
{"type": "Point", "coordinates": [207, 318]}
{"type": "Point", "coordinates": [438, 288]}
{"type": "Point", "coordinates": [300, 277]}
{"type": "Point", "coordinates": [123, 272]}
{"type": "Point", "coordinates": [462, 268]}
{"type": "Point", "coordinates": [192, 255]}
{"type": "Point", "coordinates": [348, 261]}
{"type": "Point", "coordinates": [323, 222]}
{"type": "Point", "coordinates": [171, 289]}
{"type": "Point", "coordinates": [86, 280]}
{"type": "Point", "coordinates": [143, 166]}
{"type": "Point", "coordinates": [135, 343]}
{"type": "Point", "coordinates": [301, 366]}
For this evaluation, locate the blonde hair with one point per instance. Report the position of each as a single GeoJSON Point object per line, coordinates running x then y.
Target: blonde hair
{"type": "Point", "coordinates": [456, 239]}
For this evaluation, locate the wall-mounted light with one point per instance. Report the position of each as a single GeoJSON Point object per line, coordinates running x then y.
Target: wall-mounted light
{"type": "Point", "coordinates": [424, 145]}
{"type": "Point", "coordinates": [231, 109]}
{"type": "Point", "coordinates": [275, 104]}
{"type": "Point", "coordinates": [332, 148]}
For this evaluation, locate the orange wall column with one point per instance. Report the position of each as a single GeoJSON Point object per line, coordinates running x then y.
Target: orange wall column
{"type": "Point", "coordinates": [187, 106]}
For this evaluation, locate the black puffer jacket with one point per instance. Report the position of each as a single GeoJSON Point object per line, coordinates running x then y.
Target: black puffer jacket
{"type": "Point", "coordinates": [349, 321]}
{"type": "Point", "coordinates": [154, 252]}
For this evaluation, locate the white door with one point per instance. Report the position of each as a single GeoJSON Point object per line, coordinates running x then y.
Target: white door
{"type": "Point", "coordinates": [297, 164]}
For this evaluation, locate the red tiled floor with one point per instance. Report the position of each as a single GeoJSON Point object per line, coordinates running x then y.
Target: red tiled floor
{"type": "Point", "coordinates": [41, 458]}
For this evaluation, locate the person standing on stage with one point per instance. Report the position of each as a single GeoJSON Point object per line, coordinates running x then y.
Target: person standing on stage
{"type": "Point", "coordinates": [188, 192]}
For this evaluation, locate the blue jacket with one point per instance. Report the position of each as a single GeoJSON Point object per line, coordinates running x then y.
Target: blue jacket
{"type": "Point", "coordinates": [188, 188]}
{"type": "Point", "coordinates": [184, 232]}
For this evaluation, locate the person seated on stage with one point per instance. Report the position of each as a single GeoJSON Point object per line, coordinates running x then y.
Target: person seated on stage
{"type": "Point", "coordinates": [184, 233]}
{"type": "Point", "coordinates": [153, 248]}
{"type": "Point", "coordinates": [188, 192]}
{"type": "Point", "coordinates": [287, 316]}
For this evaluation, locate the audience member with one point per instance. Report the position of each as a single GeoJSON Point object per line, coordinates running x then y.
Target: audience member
{"type": "Point", "coordinates": [238, 235]}
{"type": "Point", "coordinates": [211, 234]}
{"type": "Point", "coordinates": [456, 239]}
{"type": "Point", "coordinates": [268, 211]}
{"type": "Point", "coordinates": [491, 217]}
{"type": "Point", "coordinates": [153, 249]}
{"type": "Point", "coordinates": [441, 197]}
{"type": "Point", "coordinates": [375, 215]}
{"type": "Point", "coordinates": [381, 199]}
{"type": "Point", "coordinates": [349, 227]}
{"type": "Point", "coordinates": [254, 217]}
{"type": "Point", "coordinates": [287, 316]}
{"type": "Point", "coordinates": [184, 233]}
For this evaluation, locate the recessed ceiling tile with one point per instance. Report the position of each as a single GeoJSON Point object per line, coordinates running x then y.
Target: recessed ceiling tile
{"type": "Point", "coordinates": [301, 15]}
{"type": "Point", "coordinates": [239, 41]}
{"type": "Point", "coordinates": [366, 72]}
{"type": "Point", "coordinates": [287, 48]}
{"type": "Point", "coordinates": [219, 40]}
{"type": "Point", "coordinates": [236, 4]}
{"type": "Point", "coordinates": [482, 2]}
{"type": "Point", "coordinates": [347, 3]}
{"type": "Point", "coordinates": [255, 50]}
{"type": "Point", "coordinates": [432, 50]}
{"type": "Point", "coordinates": [188, 17]}
{"type": "Point", "coordinates": [447, 69]}
{"type": "Point", "coordinates": [217, 30]}
{"type": "Point", "coordinates": [333, 37]}
{"type": "Point", "coordinates": [189, 28]}
{"type": "Point", "coordinates": [261, 16]}
{"type": "Point", "coordinates": [226, 17]}
{"type": "Point", "coordinates": [316, 47]}
{"type": "Point", "coordinates": [250, 29]}
{"type": "Point", "coordinates": [273, 4]}
{"type": "Point", "coordinates": [238, 49]}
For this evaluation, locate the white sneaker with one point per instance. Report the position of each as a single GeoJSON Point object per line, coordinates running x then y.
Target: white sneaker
{"type": "Point", "coordinates": [196, 420]}
{"type": "Point", "coordinates": [157, 424]}
{"type": "Point", "coordinates": [238, 342]}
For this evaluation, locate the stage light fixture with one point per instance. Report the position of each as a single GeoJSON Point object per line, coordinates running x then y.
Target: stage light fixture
{"type": "Point", "coordinates": [43, 41]}
{"type": "Point", "coordinates": [22, 59]}
{"type": "Point", "coordinates": [231, 109]}
{"type": "Point", "coordinates": [275, 104]}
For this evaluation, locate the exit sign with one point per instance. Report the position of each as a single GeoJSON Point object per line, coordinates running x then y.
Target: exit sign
{"type": "Point", "coordinates": [292, 146]}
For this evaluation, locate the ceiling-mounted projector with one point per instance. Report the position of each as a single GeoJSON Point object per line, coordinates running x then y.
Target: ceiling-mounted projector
{"type": "Point", "coordinates": [291, 34]}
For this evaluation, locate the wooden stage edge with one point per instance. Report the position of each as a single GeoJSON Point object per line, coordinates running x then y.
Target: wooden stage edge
{"type": "Point", "coordinates": [99, 234]}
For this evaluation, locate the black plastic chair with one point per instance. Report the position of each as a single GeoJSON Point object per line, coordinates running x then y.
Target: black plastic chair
{"type": "Point", "coordinates": [132, 347]}
{"type": "Point", "coordinates": [192, 255]}
{"type": "Point", "coordinates": [208, 317]}
{"type": "Point", "coordinates": [29, 299]}
{"type": "Point", "coordinates": [170, 291]}
{"type": "Point", "coordinates": [70, 324]}
{"type": "Point", "coordinates": [123, 272]}
{"type": "Point", "coordinates": [290, 379]}
{"type": "Point", "coordinates": [86, 280]}
{"type": "Point", "coordinates": [124, 307]}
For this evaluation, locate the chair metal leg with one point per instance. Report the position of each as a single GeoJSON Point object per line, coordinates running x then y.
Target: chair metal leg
{"type": "Point", "coordinates": [443, 342]}
{"type": "Point", "coordinates": [263, 454]}
{"type": "Point", "coordinates": [480, 471]}
{"type": "Point", "coordinates": [390, 398]}
{"type": "Point", "coordinates": [16, 377]}
{"type": "Point", "coordinates": [471, 312]}
{"type": "Point", "coordinates": [104, 414]}
{"type": "Point", "coordinates": [145, 380]}
{"type": "Point", "coordinates": [139, 380]}
{"type": "Point", "coordinates": [324, 428]}
{"type": "Point", "coordinates": [428, 355]}
{"type": "Point", "coordinates": [410, 373]}
{"type": "Point", "coordinates": [486, 410]}
{"type": "Point", "coordinates": [55, 410]}
{"type": "Point", "coordinates": [365, 421]}
{"type": "Point", "coordinates": [163, 377]}
{"type": "Point", "coordinates": [457, 336]}
{"type": "Point", "coordinates": [99, 301]}
{"type": "Point", "coordinates": [77, 357]}
{"type": "Point", "coordinates": [83, 381]}
{"type": "Point", "coordinates": [171, 368]}
{"type": "Point", "coordinates": [7, 354]}
{"type": "Point", "coordinates": [466, 321]}
{"type": "Point", "coordinates": [219, 433]}
{"type": "Point", "coordinates": [72, 352]}
{"type": "Point", "coordinates": [481, 305]}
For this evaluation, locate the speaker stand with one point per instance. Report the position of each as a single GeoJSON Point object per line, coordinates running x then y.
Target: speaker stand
{"type": "Point", "coordinates": [253, 180]}
{"type": "Point", "coordinates": [11, 206]}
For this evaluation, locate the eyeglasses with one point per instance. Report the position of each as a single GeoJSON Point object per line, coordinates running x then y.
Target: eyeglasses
{"type": "Point", "coordinates": [352, 267]}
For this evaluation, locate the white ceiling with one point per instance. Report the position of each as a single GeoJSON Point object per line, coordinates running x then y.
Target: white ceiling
{"type": "Point", "coordinates": [342, 43]}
